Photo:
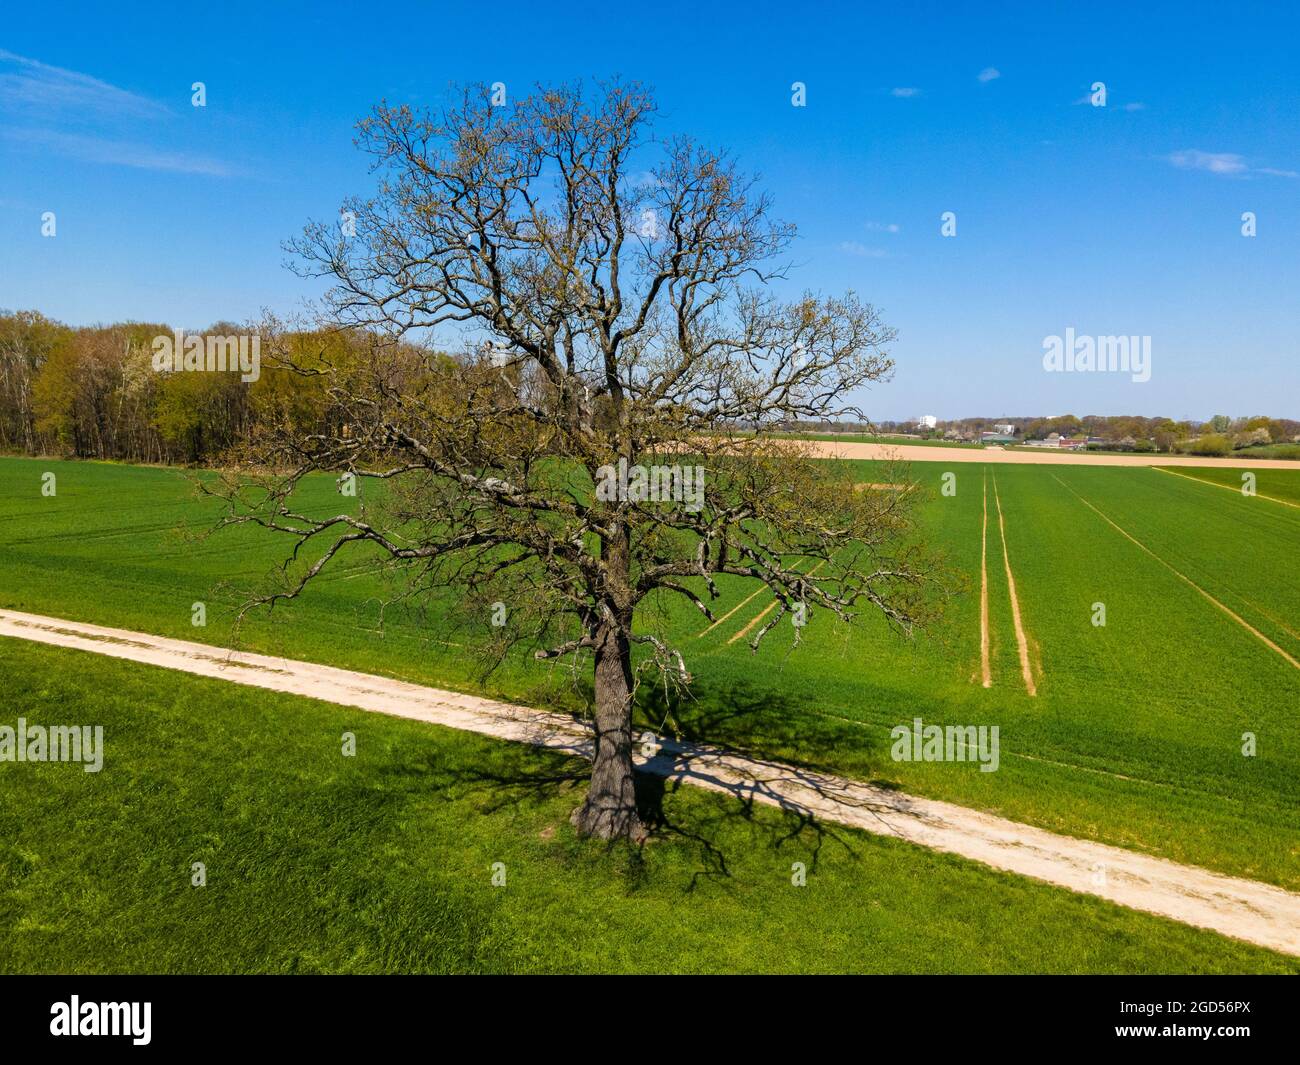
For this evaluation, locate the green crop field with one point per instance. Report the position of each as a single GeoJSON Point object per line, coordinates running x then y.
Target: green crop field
{"type": "Point", "coordinates": [384, 862]}
{"type": "Point", "coordinates": [1270, 483]}
{"type": "Point", "coordinates": [1134, 736]}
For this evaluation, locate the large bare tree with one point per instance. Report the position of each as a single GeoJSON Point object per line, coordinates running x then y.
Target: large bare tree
{"type": "Point", "coordinates": [612, 294]}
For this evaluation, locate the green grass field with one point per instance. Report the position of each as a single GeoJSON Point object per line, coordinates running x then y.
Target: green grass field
{"type": "Point", "coordinates": [1277, 484]}
{"type": "Point", "coordinates": [384, 861]}
{"type": "Point", "coordinates": [1134, 737]}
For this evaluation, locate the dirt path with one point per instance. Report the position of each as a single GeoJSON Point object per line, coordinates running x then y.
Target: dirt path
{"type": "Point", "coordinates": [1188, 580]}
{"type": "Point", "coordinates": [1243, 909]}
{"type": "Point", "coordinates": [1022, 642]}
{"type": "Point", "coordinates": [849, 449]}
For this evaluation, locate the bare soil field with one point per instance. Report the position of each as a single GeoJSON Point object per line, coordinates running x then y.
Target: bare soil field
{"type": "Point", "coordinates": [915, 453]}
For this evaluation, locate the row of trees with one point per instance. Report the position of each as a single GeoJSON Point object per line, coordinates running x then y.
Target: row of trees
{"type": "Point", "coordinates": [1165, 434]}
{"type": "Point", "coordinates": [95, 393]}
{"type": "Point", "coordinates": [1161, 434]}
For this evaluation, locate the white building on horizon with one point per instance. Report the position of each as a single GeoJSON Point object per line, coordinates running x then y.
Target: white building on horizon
{"type": "Point", "coordinates": [927, 421]}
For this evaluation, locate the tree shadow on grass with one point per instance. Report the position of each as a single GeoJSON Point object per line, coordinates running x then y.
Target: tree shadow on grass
{"type": "Point", "coordinates": [764, 723]}
{"type": "Point", "coordinates": [725, 814]}
{"type": "Point", "coordinates": [731, 821]}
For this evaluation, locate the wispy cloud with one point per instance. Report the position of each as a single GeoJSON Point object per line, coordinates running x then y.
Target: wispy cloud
{"type": "Point", "coordinates": [1214, 162]}
{"type": "Point", "coordinates": [77, 116]}
{"type": "Point", "coordinates": [1134, 105]}
{"type": "Point", "coordinates": [644, 179]}
{"type": "Point", "coordinates": [905, 92]}
{"type": "Point", "coordinates": [119, 153]}
{"type": "Point", "coordinates": [988, 74]}
{"type": "Point", "coordinates": [853, 247]}
{"type": "Point", "coordinates": [883, 227]}
{"type": "Point", "coordinates": [1225, 163]}
{"type": "Point", "coordinates": [42, 90]}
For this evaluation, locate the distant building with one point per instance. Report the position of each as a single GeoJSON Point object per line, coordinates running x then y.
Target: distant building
{"type": "Point", "coordinates": [1005, 428]}
{"type": "Point", "coordinates": [1061, 443]}
{"type": "Point", "coordinates": [927, 421]}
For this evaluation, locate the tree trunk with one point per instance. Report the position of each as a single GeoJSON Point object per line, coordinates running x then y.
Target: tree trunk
{"type": "Point", "coordinates": [610, 809]}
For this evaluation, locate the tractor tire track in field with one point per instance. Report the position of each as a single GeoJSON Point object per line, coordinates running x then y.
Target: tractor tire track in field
{"type": "Point", "coordinates": [1022, 642]}
{"type": "Point", "coordinates": [1295, 664]}
{"type": "Point", "coordinates": [1256, 913]}
{"type": "Point", "coordinates": [1230, 488]}
{"type": "Point", "coordinates": [770, 607]}
{"type": "Point", "coordinates": [986, 671]}
{"type": "Point", "coordinates": [705, 632]}
{"type": "Point", "coordinates": [1271, 616]}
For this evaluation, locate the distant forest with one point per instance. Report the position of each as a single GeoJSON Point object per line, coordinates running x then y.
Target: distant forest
{"type": "Point", "coordinates": [94, 392]}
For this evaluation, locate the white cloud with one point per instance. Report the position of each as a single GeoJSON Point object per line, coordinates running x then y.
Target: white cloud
{"type": "Point", "coordinates": [119, 153]}
{"type": "Point", "coordinates": [853, 247]}
{"type": "Point", "coordinates": [1136, 105]}
{"type": "Point", "coordinates": [76, 116]}
{"type": "Point", "coordinates": [905, 93]}
{"type": "Point", "coordinates": [41, 90]}
{"type": "Point", "coordinates": [1214, 162]}
{"type": "Point", "coordinates": [988, 74]}
{"type": "Point", "coordinates": [1223, 163]}
{"type": "Point", "coordinates": [883, 227]}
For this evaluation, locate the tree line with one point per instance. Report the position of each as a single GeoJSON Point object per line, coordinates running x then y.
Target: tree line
{"type": "Point", "coordinates": [94, 392]}
{"type": "Point", "coordinates": [1216, 435]}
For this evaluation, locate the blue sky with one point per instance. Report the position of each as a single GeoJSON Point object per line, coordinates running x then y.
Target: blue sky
{"type": "Point", "coordinates": [1117, 220]}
